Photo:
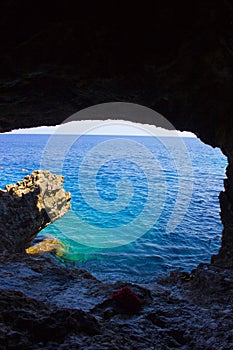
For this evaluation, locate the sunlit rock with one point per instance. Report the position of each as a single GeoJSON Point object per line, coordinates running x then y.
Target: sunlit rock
{"type": "Point", "coordinates": [48, 244]}
{"type": "Point", "coordinates": [28, 206]}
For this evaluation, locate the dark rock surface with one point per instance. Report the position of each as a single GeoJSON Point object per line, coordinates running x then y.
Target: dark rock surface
{"type": "Point", "coordinates": [52, 307]}
{"type": "Point", "coordinates": [29, 206]}
{"type": "Point", "coordinates": [60, 57]}
{"type": "Point", "coordinates": [225, 256]}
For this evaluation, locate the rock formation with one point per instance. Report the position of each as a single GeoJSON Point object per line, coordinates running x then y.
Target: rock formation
{"type": "Point", "coordinates": [29, 206]}
{"type": "Point", "coordinates": [47, 244]}
{"type": "Point", "coordinates": [225, 255]}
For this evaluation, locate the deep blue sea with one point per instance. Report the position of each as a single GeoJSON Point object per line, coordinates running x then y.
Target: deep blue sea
{"type": "Point", "coordinates": [141, 206]}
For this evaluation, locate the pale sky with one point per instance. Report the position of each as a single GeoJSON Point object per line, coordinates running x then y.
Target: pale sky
{"type": "Point", "coordinates": [108, 127]}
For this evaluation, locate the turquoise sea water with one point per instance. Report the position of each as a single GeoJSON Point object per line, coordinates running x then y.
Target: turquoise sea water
{"type": "Point", "coordinates": [141, 206]}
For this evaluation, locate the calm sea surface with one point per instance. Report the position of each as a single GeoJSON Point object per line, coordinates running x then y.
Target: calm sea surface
{"type": "Point", "coordinates": [141, 206]}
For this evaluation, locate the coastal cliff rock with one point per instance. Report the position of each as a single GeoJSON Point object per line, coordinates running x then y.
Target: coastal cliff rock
{"type": "Point", "coordinates": [28, 206]}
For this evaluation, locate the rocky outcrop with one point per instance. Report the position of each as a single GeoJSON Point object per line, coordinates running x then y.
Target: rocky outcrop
{"type": "Point", "coordinates": [29, 206]}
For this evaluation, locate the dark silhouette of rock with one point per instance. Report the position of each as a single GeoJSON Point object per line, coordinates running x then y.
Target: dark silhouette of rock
{"type": "Point", "coordinates": [44, 305]}
{"type": "Point", "coordinates": [29, 206]}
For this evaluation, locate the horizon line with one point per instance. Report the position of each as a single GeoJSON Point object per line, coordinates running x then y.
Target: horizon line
{"type": "Point", "coordinates": [89, 134]}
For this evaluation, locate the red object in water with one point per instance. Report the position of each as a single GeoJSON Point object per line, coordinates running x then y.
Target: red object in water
{"type": "Point", "coordinates": [127, 299]}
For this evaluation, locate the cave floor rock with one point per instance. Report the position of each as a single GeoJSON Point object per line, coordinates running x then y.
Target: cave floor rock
{"type": "Point", "coordinates": [44, 305]}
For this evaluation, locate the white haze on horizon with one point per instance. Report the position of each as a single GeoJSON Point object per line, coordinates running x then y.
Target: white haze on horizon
{"type": "Point", "coordinates": [107, 127]}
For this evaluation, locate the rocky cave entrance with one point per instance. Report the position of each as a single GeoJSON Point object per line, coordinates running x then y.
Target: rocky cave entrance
{"type": "Point", "coordinates": [186, 74]}
{"type": "Point", "coordinates": [212, 242]}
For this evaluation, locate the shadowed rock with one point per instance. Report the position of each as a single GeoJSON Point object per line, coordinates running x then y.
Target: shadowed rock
{"type": "Point", "coordinates": [44, 305]}
{"type": "Point", "coordinates": [28, 206]}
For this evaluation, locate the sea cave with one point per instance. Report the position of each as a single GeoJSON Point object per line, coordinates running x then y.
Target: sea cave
{"type": "Point", "coordinates": [60, 58]}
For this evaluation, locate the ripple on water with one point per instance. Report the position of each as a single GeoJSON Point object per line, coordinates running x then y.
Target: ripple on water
{"type": "Point", "coordinates": [195, 239]}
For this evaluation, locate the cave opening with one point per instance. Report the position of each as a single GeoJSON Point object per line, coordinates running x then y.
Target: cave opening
{"type": "Point", "coordinates": [196, 237]}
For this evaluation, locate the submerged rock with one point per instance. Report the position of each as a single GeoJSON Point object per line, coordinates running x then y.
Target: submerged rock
{"type": "Point", "coordinates": [48, 244]}
{"type": "Point", "coordinates": [28, 206]}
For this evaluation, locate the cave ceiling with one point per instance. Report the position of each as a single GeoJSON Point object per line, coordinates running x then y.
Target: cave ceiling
{"type": "Point", "coordinates": [60, 57]}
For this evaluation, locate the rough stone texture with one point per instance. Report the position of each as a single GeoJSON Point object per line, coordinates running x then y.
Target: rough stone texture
{"type": "Point", "coordinates": [42, 244]}
{"type": "Point", "coordinates": [225, 256]}
{"type": "Point", "coordinates": [29, 206]}
{"type": "Point", "coordinates": [60, 57]}
{"type": "Point", "coordinates": [51, 307]}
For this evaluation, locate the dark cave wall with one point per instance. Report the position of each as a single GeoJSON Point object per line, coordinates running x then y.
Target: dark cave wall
{"type": "Point", "coordinates": [176, 58]}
